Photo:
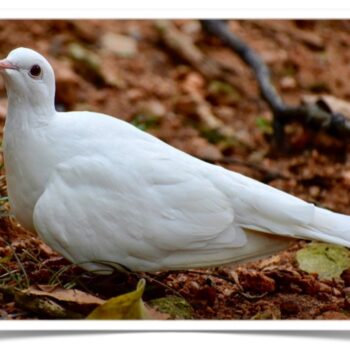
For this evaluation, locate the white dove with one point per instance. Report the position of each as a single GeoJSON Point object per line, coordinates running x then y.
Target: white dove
{"type": "Point", "coordinates": [100, 191]}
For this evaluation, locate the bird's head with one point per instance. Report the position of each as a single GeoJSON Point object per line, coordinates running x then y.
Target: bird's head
{"type": "Point", "coordinates": [28, 76]}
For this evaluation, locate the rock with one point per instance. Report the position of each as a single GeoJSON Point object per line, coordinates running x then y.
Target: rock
{"type": "Point", "coordinates": [120, 45]}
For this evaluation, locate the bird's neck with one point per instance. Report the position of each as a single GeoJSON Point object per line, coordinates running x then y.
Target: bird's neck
{"type": "Point", "coordinates": [22, 113]}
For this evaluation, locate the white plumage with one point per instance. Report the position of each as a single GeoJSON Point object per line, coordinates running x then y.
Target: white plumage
{"type": "Point", "coordinates": [98, 190]}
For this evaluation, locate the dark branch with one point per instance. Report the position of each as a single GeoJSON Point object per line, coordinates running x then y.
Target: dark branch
{"type": "Point", "coordinates": [310, 115]}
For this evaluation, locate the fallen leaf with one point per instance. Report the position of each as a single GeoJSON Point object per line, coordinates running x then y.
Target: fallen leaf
{"type": "Point", "coordinates": [57, 302]}
{"type": "Point", "coordinates": [64, 295]}
{"type": "Point", "coordinates": [327, 260]}
{"type": "Point", "coordinates": [264, 125]}
{"type": "Point", "coordinates": [128, 306]}
{"type": "Point", "coordinates": [45, 306]}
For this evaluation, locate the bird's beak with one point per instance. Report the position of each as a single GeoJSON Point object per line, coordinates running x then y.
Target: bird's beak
{"type": "Point", "coordinates": [6, 64]}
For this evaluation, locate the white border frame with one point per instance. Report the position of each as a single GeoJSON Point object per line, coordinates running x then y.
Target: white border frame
{"type": "Point", "coordinates": [253, 9]}
{"type": "Point", "coordinates": [173, 325]}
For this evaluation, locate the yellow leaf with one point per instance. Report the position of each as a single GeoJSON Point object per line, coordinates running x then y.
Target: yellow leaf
{"type": "Point", "coordinates": [327, 260]}
{"type": "Point", "coordinates": [128, 306]}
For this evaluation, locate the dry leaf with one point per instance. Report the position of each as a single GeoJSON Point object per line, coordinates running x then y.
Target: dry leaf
{"type": "Point", "coordinates": [64, 295]}
{"type": "Point", "coordinates": [128, 306]}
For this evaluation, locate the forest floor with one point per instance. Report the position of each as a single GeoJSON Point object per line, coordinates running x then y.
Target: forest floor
{"type": "Point", "coordinates": [128, 69]}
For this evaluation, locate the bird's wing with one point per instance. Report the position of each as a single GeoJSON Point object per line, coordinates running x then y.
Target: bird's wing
{"type": "Point", "coordinates": [114, 206]}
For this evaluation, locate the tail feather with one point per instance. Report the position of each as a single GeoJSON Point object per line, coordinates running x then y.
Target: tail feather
{"type": "Point", "coordinates": [266, 209]}
{"type": "Point", "coordinates": [331, 227]}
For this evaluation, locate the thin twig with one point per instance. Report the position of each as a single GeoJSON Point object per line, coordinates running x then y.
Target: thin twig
{"type": "Point", "coordinates": [21, 267]}
{"type": "Point", "coordinates": [8, 273]}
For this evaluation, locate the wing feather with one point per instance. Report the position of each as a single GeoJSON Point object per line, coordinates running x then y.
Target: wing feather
{"type": "Point", "coordinates": [135, 214]}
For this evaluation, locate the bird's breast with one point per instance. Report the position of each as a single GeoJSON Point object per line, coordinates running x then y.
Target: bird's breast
{"type": "Point", "coordinates": [26, 174]}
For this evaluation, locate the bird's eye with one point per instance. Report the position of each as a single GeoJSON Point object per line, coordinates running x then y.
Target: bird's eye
{"type": "Point", "coordinates": [35, 71]}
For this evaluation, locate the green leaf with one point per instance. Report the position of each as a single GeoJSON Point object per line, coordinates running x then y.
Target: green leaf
{"type": "Point", "coordinates": [128, 306]}
{"type": "Point", "coordinates": [214, 136]}
{"type": "Point", "coordinates": [220, 88]}
{"type": "Point", "coordinates": [174, 306]}
{"type": "Point", "coordinates": [145, 121]}
{"type": "Point", "coordinates": [327, 260]}
{"type": "Point", "coordinates": [5, 259]}
{"type": "Point", "coordinates": [264, 125]}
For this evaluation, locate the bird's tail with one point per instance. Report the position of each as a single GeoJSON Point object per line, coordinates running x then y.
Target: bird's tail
{"type": "Point", "coordinates": [266, 209]}
{"type": "Point", "coordinates": [330, 227]}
